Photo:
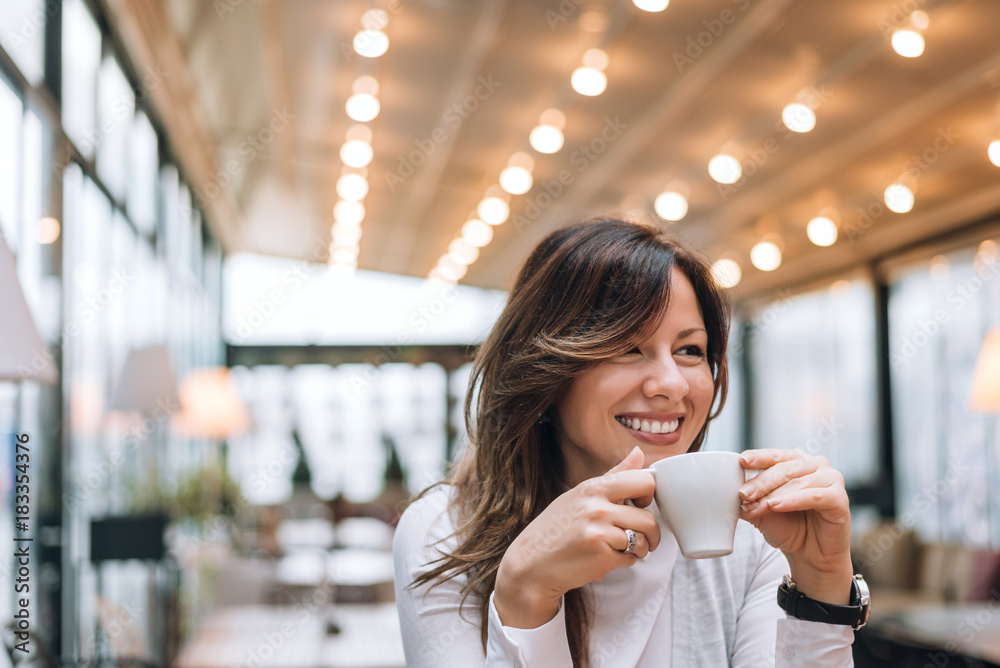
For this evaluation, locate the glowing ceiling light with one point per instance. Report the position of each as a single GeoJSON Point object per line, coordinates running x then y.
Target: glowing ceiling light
{"type": "Point", "coordinates": [346, 235]}
{"type": "Point", "coordinates": [449, 267]}
{"type": "Point", "coordinates": [352, 248]}
{"type": "Point", "coordinates": [596, 59]}
{"type": "Point", "coordinates": [359, 132]}
{"type": "Point", "coordinates": [462, 251]}
{"type": "Point", "coordinates": [344, 256]}
{"type": "Point", "coordinates": [822, 231]}
{"type": "Point", "coordinates": [366, 84]}
{"type": "Point", "coordinates": [516, 180]}
{"type": "Point", "coordinates": [908, 43]}
{"type": "Point", "coordinates": [352, 187]}
{"type": "Point", "coordinates": [798, 117]}
{"type": "Point", "coordinates": [590, 78]}
{"type": "Point", "coordinates": [993, 152]}
{"type": "Point", "coordinates": [371, 43]}
{"type": "Point", "coordinates": [48, 230]}
{"type": "Point", "coordinates": [766, 256]}
{"type": "Point", "coordinates": [651, 5]}
{"type": "Point", "coordinates": [987, 253]}
{"type": "Point", "coordinates": [588, 81]}
{"type": "Point", "coordinates": [374, 19]}
{"type": "Point", "coordinates": [362, 107]}
{"type": "Point", "coordinates": [727, 272]}
{"type": "Point", "coordinates": [939, 268]}
{"type": "Point", "coordinates": [724, 168]}
{"type": "Point", "coordinates": [477, 233]}
{"type": "Point", "coordinates": [444, 274]}
{"type": "Point", "coordinates": [546, 138]}
{"type": "Point", "coordinates": [671, 206]}
{"type": "Point", "coordinates": [348, 212]}
{"type": "Point", "coordinates": [898, 198]}
{"type": "Point", "coordinates": [493, 210]}
{"type": "Point", "coordinates": [356, 153]}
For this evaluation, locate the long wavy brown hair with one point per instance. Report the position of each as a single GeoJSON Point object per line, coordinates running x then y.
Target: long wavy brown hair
{"type": "Point", "coordinates": [588, 292]}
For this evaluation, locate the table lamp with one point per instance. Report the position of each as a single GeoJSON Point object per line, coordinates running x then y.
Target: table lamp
{"type": "Point", "coordinates": [146, 383]}
{"type": "Point", "coordinates": [985, 394]}
{"type": "Point", "coordinates": [210, 406]}
{"type": "Point", "coordinates": [23, 353]}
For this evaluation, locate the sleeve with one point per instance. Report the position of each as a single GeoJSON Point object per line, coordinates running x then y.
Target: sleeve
{"type": "Point", "coordinates": [436, 634]}
{"type": "Point", "coordinates": [766, 636]}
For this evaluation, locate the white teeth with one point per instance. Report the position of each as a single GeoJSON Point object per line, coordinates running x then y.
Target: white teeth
{"type": "Point", "coordinates": [650, 426]}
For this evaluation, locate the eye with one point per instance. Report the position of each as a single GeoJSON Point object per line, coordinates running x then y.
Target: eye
{"type": "Point", "coordinates": [693, 351]}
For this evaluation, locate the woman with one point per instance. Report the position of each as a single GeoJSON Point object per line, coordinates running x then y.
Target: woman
{"type": "Point", "coordinates": [528, 555]}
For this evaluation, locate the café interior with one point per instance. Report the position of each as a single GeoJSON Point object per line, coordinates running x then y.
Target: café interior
{"type": "Point", "coordinates": [249, 248]}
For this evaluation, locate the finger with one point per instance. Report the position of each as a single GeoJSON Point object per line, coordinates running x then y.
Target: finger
{"type": "Point", "coordinates": [831, 501]}
{"type": "Point", "coordinates": [822, 478]}
{"type": "Point", "coordinates": [633, 460]}
{"type": "Point", "coordinates": [621, 485]}
{"type": "Point", "coordinates": [619, 542]}
{"type": "Point", "coordinates": [638, 519]}
{"type": "Point", "coordinates": [777, 475]}
{"type": "Point", "coordinates": [766, 457]}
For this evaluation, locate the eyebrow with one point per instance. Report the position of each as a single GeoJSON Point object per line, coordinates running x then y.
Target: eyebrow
{"type": "Point", "coordinates": [689, 332]}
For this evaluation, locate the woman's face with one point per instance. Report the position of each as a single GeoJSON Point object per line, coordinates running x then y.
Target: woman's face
{"type": "Point", "coordinates": [657, 396]}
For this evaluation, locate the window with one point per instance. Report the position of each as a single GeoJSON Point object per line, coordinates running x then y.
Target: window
{"type": "Point", "coordinates": [726, 431]}
{"type": "Point", "coordinates": [11, 110]}
{"type": "Point", "coordinates": [22, 35]}
{"type": "Point", "coordinates": [115, 107]}
{"type": "Point", "coordinates": [143, 168]}
{"type": "Point", "coordinates": [946, 458]}
{"type": "Point", "coordinates": [81, 58]}
{"type": "Point", "coordinates": [813, 380]}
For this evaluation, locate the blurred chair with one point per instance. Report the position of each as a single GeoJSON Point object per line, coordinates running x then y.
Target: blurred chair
{"type": "Point", "coordinates": [310, 533]}
{"type": "Point", "coordinates": [367, 533]}
{"type": "Point", "coordinates": [361, 576]}
{"type": "Point", "coordinates": [244, 582]}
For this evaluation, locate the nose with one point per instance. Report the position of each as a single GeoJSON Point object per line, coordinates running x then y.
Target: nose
{"type": "Point", "coordinates": [664, 378]}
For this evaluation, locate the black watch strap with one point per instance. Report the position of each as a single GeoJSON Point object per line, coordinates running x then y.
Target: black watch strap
{"type": "Point", "coordinates": [800, 606]}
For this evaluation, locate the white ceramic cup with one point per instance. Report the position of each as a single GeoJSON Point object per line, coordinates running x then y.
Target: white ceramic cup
{"type": "Point", "coordinates": [697, 494]}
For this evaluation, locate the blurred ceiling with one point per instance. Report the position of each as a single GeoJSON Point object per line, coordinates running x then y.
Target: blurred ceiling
{"type": "Point", "coordinates": [683, 85]}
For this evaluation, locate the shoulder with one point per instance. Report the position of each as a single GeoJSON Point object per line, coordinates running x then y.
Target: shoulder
{"type": "Point", "coordinates": [425, 524]}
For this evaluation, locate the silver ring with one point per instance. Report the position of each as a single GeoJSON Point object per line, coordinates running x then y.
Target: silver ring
{"type": "Point", "coordinates": [632, 541]}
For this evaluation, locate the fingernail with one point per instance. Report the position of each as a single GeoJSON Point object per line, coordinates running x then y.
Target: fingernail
{"type": "Point", "coordinates": [749, 459]}
{"type": "Point", "coordinates": [774, 503]}
{"type": "Point", "coordinates": [748, 491]}
{"type": "Point", "coordinates": [747, 507]}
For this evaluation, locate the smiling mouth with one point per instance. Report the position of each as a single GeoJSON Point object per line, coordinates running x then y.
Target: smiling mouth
{"type": "Point", "coordinates": [651, 426]}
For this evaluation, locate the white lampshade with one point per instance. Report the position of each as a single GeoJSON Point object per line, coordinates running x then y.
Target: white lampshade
{"type": "Point", "coordinates": [23, 353]}
{"type": "Point", "coordinates": [210, 406]}
{"type": "Point", "coordinates": [146, 383]}
{"type": "Point", "coordinates": [985, 394]}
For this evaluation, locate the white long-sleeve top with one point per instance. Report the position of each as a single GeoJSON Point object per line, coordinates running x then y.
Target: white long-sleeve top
{"type": "Point", "coordinates": [664, 610]}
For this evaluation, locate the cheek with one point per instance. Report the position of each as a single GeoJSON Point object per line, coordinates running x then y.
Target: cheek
{"type": "Point", "coordinates": [701, 384]}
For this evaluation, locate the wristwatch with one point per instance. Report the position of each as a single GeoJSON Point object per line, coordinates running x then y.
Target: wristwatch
{"type": "Point", "coordinates": [800, 606]}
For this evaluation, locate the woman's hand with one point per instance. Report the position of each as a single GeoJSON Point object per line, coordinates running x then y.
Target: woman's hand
{"type": "Point", "coordinates": [798, 502]}
{"type": "Point", "coordinates": [576, 540]}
